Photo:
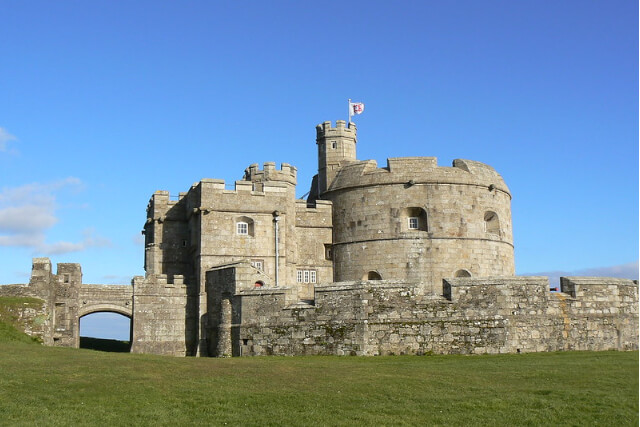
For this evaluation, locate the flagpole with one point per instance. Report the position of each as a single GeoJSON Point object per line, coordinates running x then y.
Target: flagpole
{"type": "Point", "coordinates": [349, 113]}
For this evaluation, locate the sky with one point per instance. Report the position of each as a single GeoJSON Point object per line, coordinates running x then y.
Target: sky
{"type": "Point", "coordinates": [104, 102]}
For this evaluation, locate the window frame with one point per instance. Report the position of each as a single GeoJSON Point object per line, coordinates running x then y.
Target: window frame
{"type": "Point", "coordinates": [242, 228]}
{"type": "Point", "coordinates": [413, 220]}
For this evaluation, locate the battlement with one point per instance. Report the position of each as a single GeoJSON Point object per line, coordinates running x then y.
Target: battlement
{"type": "Point", "coordinates": [418, 170]}
{"type": "Point", "coordinates": [286, 173]}
{"type": "Point", "coordinates": [325, 130]}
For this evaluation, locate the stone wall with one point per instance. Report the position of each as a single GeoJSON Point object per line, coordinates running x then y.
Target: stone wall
{"type": "Point", "coordinates": [165, 317]}
{"type": "Point", "coordinates": [472, 316]}
{"type": "Point", "coordinates": [27, 311]}
{"type": "Point", "coordinates": [67, 299]}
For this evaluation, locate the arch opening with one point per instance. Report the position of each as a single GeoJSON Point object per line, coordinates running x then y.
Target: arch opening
{"type": "Point", "coordinates": [462, 273]}
{"type": "Point", "coordinates": [105, 331]}
{"type": "Point", "coordinates": [372, 275]}
{"type": "Point", "coordinates": [491, 223]}
{"type": "Point", "coordinates": [415, 219]}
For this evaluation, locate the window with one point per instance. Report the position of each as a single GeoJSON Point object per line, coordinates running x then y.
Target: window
{"type": "Point", "coordinates": [491, 223]}
{"type": "Point", "coordinates": [416, 219]}
{"type": "Point", "coordinates": [328, 252]}
{"type": "Point", "coordinates": [257, 263]}
{"type": "Point", "coordinates": [413, 223]}
{"type": "Point", "coordinates": [334, 144]}
{"type": "Point", "coordinates": [306, 276]}
{"type": "Point", "coordinates": [242, 228]}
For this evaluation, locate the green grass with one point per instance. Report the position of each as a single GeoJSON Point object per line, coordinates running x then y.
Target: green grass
{"type": "Point", "coordinates": [60, 386]}
{"type": "Point", "coordinates": [10, 327]}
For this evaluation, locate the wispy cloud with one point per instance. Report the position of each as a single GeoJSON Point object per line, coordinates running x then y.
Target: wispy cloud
{"type": "Point", "coordinates": [27, 212]}
{"type": "Point", "coordinates": [5, 138]}
{"type": "Point", "coordinates": [622, 271]}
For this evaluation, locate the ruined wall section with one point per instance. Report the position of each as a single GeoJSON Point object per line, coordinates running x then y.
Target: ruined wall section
{"type": "Point", "coordinates": [462, 221]}
{"type": "Point", "coordinates": [32, 317]}
{"type": "Point", "coordinates": [473, 316]}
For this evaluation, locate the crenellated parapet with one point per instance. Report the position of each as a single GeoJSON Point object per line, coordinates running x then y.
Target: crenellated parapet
{"type": "Point", "coordinates": [287, 173]}
{"type": "Point", "coordinates": [341, 130]}
{"type": "Point", "coordinates": [412, 171]}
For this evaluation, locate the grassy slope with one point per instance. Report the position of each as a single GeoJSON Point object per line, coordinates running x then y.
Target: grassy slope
{"type": "Point", "coordinates": [9, 326]}
{"type": "Point", "coordinates": [45, 386]}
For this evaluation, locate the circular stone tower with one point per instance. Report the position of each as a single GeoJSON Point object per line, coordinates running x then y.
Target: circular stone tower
{"type": "Point", "coordinates": [413, 220]}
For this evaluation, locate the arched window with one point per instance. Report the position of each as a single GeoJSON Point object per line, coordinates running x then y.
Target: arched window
{"type": "Point", "coordinates": [491, 223]}
{"type": "Point", "coordinates": [415, 219]}
{"type": "Point", "coordinates": [244, 226]}
{"type": "Point", "coordinates": [372, 275]}
{"type": "Point", "coordinates": [462, 273]}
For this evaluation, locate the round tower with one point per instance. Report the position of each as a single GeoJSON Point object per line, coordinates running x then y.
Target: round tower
{"type": "Point", "coordinates": [414, 220]}
{"type": "Point", "coordinates": [336, 148]}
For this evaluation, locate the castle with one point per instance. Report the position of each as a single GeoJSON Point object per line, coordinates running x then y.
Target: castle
{"type": "Point", "coordinates": [411, 258]}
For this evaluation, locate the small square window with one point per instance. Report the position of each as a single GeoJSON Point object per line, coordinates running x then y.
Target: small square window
{"type": "Point", "coordinates": [413, 223]}
{"type": "Point", "coordinates": [257, 263]}
{"type": "Point", "coordinates": [242, 228]}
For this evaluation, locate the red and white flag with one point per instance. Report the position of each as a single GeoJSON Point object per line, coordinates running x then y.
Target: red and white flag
{"type": "Point", "coordinates": [356, 108]}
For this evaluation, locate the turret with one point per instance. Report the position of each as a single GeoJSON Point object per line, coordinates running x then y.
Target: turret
{"type": "Point", "coordinates": [336, 147]}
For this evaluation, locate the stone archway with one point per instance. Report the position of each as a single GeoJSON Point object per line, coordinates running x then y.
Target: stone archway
{"type": "Point", "coordinates": [96, 317]}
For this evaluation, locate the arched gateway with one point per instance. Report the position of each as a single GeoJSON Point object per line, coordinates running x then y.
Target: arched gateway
{"type": "Point", "coordinates": [67, 300]}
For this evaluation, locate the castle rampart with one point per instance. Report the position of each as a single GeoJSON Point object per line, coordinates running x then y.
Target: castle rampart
{"type": "Point", "coordinates": [476, 316]}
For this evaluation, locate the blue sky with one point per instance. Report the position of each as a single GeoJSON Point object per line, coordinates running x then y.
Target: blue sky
{"type": "Point", "coordinates": [105, 102]}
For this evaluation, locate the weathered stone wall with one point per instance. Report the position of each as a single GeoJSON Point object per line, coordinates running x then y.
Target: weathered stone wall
{"type": "Point", "coordinates": [165, 317]}
{"type": "Point", "coordinates": [313, 242]}
{"type": "Point", "coordinates": [473, 316]}
{"type": "Point", "coordinates": [27, 311]}
{"type": "Point", "coordinates": [66, 300]}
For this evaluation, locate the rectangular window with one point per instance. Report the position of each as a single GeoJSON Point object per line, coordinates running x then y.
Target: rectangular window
{"type": "Point", "coordinates": [306, 276]}
{"type": "Point", "coordinates": [242, 228]}
{"type": "Point", "coordinates": [413, 223]}
{"type": "Point", "coordinates": [257, 263]}
{"type": "Point", "coordinates": [328, 252]}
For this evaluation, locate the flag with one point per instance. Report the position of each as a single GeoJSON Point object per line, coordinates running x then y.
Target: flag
{"type": "Point", "coordinates": [356, 108]}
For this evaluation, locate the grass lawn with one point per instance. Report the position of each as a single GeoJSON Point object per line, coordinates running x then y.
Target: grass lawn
{"type": "Point", "coordinates": [60, 386]}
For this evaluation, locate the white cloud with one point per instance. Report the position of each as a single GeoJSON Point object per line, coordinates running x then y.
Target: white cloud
{"type": "Point", "coordinates": [5, 138]}
{"type": "Point", "coordinates": [622, 271]}
{"type": "Point", "coordinates": [27, 212]}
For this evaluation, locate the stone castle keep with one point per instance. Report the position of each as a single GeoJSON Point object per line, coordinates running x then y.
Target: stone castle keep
{"type": "Point", "coordinates": [410, 258]}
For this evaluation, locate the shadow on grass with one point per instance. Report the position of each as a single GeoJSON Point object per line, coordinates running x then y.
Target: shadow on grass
{"type": "Point", "coordinates": [100, 344]}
